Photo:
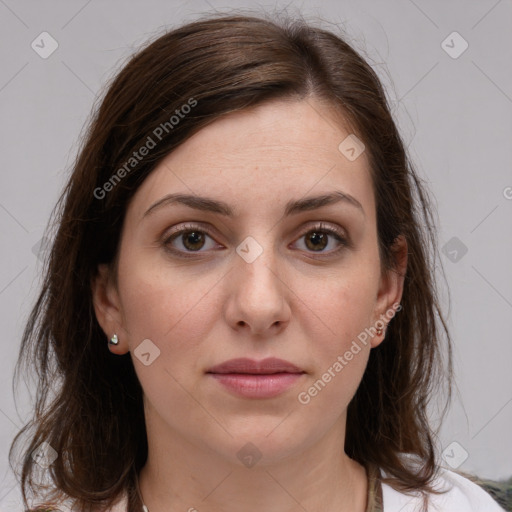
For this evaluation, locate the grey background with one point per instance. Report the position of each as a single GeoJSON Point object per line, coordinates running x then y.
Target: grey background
{"type": "Point", "coordinates": [454, 114]}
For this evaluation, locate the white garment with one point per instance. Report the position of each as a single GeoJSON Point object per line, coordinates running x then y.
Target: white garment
{"type": "Point", "coordinates": [463, 496]}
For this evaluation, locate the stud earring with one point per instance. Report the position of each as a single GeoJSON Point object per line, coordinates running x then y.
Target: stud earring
{"type": "Point", "coordinates": [379, 332]}
{"type": "Point", "coordinates": [114, 340]}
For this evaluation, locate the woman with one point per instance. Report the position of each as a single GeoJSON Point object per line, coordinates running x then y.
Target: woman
{"type": "Point", "coordinates": [238, 311]}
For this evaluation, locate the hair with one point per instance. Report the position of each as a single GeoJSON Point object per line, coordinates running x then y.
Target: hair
{"type": "Point", "coordinates": [219, 64]}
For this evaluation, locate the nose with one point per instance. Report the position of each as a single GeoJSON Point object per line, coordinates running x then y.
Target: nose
{"type": "Point", "coordinates": [258, 294]}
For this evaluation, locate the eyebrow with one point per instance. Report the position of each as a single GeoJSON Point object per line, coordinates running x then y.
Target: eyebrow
{"type": "Point", "coordinates": [292, 207]}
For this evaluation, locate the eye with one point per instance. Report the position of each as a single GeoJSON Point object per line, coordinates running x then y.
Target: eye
{"type": "Point", "coordinates": [191, 238]}
{"type": "Point", "coordinates": [317, 239]}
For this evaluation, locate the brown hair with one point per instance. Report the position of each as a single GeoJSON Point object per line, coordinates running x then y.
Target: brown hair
{"type": "Point", "coordinates": [219, 64]}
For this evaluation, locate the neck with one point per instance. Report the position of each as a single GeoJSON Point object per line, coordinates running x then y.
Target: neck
{"type": "Point", "coordinates": [179, 475]}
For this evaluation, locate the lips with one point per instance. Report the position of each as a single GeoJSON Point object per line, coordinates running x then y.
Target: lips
{"type": "Point", "coordinates": [250, 379]}
{"type": "Point", "coordinates": [267, 366]}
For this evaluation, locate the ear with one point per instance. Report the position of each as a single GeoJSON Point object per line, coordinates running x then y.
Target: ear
{"type": "Point", "coordinates": [391, 287]}
{"type": "Point", "coordinates": [107, 307]}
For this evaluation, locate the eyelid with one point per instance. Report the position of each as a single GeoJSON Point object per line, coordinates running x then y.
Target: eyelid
{"type": "Point", "coordinates": [188, 226]}
{"type": "Point", "coordinates": [198, 226]}
{"type": "Point", "coordinates": [335, 231]}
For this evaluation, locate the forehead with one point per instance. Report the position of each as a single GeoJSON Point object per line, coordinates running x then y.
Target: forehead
{"type": "Point", "coordinates": [263, 156]}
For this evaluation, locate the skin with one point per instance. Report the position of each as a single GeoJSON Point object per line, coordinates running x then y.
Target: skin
{"type": "Point", "coordinates": [292, 302]}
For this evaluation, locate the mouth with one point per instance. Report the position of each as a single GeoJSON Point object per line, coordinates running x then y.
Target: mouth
{"type": "Point", "coordinates": [256, 379]}
{"type": "Point", "coordinates": [268, 366]}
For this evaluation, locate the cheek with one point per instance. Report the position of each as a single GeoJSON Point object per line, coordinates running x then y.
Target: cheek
{"type": "Point", "coordinates": [338, 356]}
{"type": "Point", "coordinates": [341, 308]}
{"type": "Point", "coordinates": [339, 317]}
{"type": "Point", "coordinates": [166, 307]}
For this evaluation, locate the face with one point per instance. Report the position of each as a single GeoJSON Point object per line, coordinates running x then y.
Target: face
{"type": "Point", "coordinates": [202, 286]}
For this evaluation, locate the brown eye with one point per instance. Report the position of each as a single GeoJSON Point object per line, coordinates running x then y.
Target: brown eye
{"type": "Point", "coordinates": [192, 240]}
{"type": "Point", "coordinates": [189, 239]}
{"type": "Point", "coordinates": [318, 238]}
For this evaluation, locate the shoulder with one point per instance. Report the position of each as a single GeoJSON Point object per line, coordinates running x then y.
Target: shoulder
{"type": "Point", "coordinates": [462, 495]}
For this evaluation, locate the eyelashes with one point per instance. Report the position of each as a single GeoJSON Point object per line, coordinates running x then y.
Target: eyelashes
{"type": "Point", "coordinates": [193, 239]}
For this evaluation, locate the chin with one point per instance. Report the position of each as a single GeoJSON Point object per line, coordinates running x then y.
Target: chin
{"type": "Point", "coordinates": [262, 446]}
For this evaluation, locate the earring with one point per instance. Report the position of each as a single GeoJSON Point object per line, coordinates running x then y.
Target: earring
{"type": "Point", "coordinates": [113, 340]}
{"type": "Point", "coordinates": [379, 332]}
